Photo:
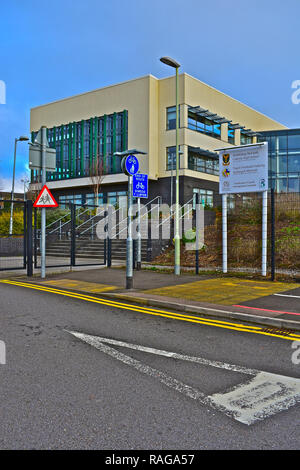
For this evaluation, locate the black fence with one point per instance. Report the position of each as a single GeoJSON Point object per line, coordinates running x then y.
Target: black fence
{"type": "Point", "coordinates": [13, 232]}
{"type": "Point", "coordinates": [71, 238]}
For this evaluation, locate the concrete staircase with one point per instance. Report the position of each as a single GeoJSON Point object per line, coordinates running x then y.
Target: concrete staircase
{"type": "Point", "coordinates": [87, 243]}
{"type": "Point", "coordinates": [88, 248]}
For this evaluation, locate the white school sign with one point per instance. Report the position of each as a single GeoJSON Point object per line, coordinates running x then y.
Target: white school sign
{"type": "Point", "coordinates": [244, 169]}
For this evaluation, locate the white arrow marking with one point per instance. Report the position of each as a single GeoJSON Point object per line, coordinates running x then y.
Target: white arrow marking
{"type": "Point", "coordinates": [264, 395]}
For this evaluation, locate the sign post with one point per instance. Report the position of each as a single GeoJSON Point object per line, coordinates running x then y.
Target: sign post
{"type": "Point", "coordinates": [130, 165]}
{"type": "Point", "coordinates": [43, 214]}
{"type": "Point", "coordinates": [44, 200]}
{"type": "Point", "coordinates": [244, 169]}
{"type": "Point", "coordinates": [140, 190]}
{"type": "Point", "coordinates": [43, 158]}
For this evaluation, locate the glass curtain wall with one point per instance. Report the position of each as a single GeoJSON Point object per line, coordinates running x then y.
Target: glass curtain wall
{"type": "Point", "coordinates": [284, 159]}
{"type": "Point", "coordinates": [87, 146]}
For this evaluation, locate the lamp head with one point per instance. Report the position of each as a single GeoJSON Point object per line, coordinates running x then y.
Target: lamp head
{"type": "Point", "coordinates": [170, 62]}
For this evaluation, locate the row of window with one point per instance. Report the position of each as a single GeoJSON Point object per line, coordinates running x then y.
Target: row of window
{"type": "Point", "coordinates": [196, 162]}
{"type": "Point", "coordinates": [116, 198]}
{"type": "Point", "coordinates": [204, 125]}
{"type": "Point", "coordinates": [205, 197]}
{"type": "Point", "coordinates": [284, 163]}
{"type": "Point", "coordinates": [81, 145]}
{"type": "Point", "coordinates": [276, 143]}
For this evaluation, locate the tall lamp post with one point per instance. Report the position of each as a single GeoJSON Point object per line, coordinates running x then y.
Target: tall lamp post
{"type": "Point", "coordinates": [25, 181]}
{"type": "Point", "coordinates": [174, 64]}
{"type": "Point", "coordinates": [20, 139]}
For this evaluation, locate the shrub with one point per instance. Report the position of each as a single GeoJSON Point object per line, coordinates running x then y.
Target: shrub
{"type": "Point", "coordinates": [18, 222]}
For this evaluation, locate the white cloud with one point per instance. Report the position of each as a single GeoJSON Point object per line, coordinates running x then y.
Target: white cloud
{"type": "Point", "coordinates": [5, 183]}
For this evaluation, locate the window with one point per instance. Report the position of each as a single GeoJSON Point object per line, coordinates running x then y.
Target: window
{"type": "Point", "coordinates": [171, 117]}
{"type": "Point", "coordinates": [294, 141]}
{"type": "Point", "coordinates": [117, 198]}
{"type": "Point", "coordinates": [245, 139]}
{"type": "Point", "coordinates": [294, 163]}
{"type": "Point", "coordinates": [78, 143]}
{"type": "Point", "coordinates": [204, 125]}
{"type": "Point", "coordinates": [65, 200]}
{"type": "Point", "coordinates": [206, 197]}
{"type": "Point", "coordinates": [230, 134]}
{"type": "Point", "coordinates": [171, 158]}
{"type": "Point", "coordinates": [204, 164]}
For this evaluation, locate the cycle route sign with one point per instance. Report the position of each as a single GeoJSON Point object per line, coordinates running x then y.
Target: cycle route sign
{"type": "Point", "coordinates": [140, 185]}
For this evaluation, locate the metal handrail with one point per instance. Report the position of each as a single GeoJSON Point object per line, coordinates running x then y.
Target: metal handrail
{"type": "Point", "coordinates": [97, 215]}
{"type": "Point", "coordinates": [61, 218]}
{"type": "Point", "coordinates": [58, 228]}
{"type": "Point", "coordinates": [87, 220]}
{"type": "Point", "coordinates": [125, 228]}
{"type": "Point", "coordinates": [181, 215]}
{"type": "Point", "coordinates": [57, 220]}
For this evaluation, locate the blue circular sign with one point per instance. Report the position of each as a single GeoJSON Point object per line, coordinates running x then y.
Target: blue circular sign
{"type": "Point", "coordinates": [131, 165]}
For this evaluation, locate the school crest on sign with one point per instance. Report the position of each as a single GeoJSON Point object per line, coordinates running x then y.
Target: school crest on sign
{"type": "Point", "coordinates": [226, 159]}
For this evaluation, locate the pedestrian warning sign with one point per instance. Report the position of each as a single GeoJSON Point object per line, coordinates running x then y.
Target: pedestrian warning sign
{"type": "Point", "coordinates": [45, 199]}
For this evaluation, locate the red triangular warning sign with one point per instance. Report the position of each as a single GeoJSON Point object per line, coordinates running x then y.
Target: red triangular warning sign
{"type": "Point", "coordinates": [45, 199]}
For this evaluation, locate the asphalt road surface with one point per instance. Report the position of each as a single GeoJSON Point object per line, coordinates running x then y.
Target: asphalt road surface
{"type": "Point", "coordinates": [80, 374]}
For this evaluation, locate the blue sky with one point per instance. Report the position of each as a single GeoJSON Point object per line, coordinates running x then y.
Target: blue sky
{"type": "Point", "coordinates": [53, 49]}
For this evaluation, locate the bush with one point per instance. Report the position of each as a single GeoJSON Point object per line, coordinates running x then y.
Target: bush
{"type": "Point", "coordinates": [18, 222]}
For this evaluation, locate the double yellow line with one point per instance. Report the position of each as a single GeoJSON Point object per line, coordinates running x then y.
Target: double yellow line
{"type": "Point", "coordinates": [151, 311]}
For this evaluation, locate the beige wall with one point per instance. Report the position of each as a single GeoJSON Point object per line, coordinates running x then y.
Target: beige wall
{"type": "Point", "coordinates": [133, 95]}
{"type": "Point", "coordinates": [193, 92]}
{"type": "Point", "coordinates": [146, 100]}
{"type": "Point", "coordinates": [198, 93]}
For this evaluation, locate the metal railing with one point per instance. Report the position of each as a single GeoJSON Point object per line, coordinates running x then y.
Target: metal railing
{"type": "Point", "coordinates": [182, 215]}
{"type": "Point", "coordinates": [92, 225]}
{"type": "Point", "coordinates": [126, 219]}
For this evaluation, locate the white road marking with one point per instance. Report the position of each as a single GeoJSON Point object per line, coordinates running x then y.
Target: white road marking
{"type": "Point", "coordinates": [287, 295]}
{"type": "Point", "coordinates": [159, 352]}
{"type": "Point", "coordinates": [263, 395]}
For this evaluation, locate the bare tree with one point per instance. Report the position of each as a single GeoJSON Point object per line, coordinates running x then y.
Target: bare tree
{"type": "Point", "coordinates": [96, 176]}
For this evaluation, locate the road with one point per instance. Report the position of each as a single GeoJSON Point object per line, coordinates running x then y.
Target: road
{"type": "Point", "coordinates": [80, 374]}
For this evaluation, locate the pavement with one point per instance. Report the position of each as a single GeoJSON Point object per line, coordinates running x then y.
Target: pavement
{"type": "Point", "coordinates": [272, 304]}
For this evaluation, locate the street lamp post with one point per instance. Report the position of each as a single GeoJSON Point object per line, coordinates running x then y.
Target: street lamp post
{"type": "Point", "coordinates": [172, 63]}
{"type": "Point", "coordinates": [20, 139]}
{"type": "Point", "coordinates": [25, 181]}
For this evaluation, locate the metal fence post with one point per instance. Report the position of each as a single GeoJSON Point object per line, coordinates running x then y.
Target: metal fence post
{"type": "Point", "coordinates": [134, 254]}
{"type": "Point", "coordinates": [24, 235]}
{"type": "Point", "coordinates": [197, 235]}
{"type": "Point", "coordinates": [108, 251]}
{"type": "Point", "coordinates": [29, 237]}
{"type": "Point", "coordinates": [224, 233]}
{"type": "Point", "coordinates": [35, 238]}
{"type": "Point", "coordinates": [264, 232]}
{"type": "Point", "coordinates": [272, 235]}
{"type": "Point", "coordinates": [104, 251]}
{"type": "Point", "coordinates": [149, 239]}
{"type": "Point", "coordinates": [73, 233]}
